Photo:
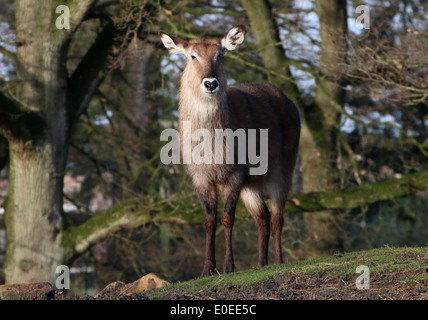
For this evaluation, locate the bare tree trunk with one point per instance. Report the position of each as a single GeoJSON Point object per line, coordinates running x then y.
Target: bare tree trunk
{"type": "Point", "coordinates": [267, 34]}
{"type": "Point", "coordinates": [320, 172]}
{"type": "Point", "coordinates": [333, 31]}
{"type": "Point", "coordinates": [135, 115]}
{"type": "Point", "coordinates": [33, 217]}
{"type": "Point", "coordinates": [37, 125]}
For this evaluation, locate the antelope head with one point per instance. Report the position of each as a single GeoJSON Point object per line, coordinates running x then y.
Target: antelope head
{"type": "Point", "coordinates": [204, 74]}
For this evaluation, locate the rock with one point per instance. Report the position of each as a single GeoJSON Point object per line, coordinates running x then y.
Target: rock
{"type": "Point", "coordinates": [114, 289]}
{"type": "Point", "coordinates": [27, 291]}
{"type": "Point", "coordinates": [111, 291]}
{"type": "Point", "coordinates": [149, 281]}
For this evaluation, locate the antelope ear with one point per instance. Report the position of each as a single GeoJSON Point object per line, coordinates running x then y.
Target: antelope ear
{"type": "Point", "coordinates": [173, 44]}
{"type": "Point", "coordinates": [234, 38]}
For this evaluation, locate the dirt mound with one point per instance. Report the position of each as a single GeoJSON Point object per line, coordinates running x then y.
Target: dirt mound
{"type": "Point", "coordinates": [298, 287]}
{"type": "Point", "coordinates": [392, 274]}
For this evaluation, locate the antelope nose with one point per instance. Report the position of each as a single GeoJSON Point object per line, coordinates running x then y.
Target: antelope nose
{"type": "Point", "coordinates": [211, 84]}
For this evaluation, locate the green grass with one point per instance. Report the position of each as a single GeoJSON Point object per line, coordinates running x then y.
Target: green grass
{"type": "Point", "coordinates": [405, 265]}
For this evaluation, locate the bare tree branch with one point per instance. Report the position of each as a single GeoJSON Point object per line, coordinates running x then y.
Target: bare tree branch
{"type": "Point", "coordinates": [7, 53]}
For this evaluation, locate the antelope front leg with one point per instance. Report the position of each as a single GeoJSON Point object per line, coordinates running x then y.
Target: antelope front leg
{"type": "Point", "coordinates": [210, 228]}
{"type": "Point", "coordinates": [208, 199]}
{"type": "Point", "coordinates": [228, 219]}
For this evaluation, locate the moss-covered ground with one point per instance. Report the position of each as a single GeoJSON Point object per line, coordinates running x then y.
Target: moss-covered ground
{"type": "Point", "coordinates": [395, 273]}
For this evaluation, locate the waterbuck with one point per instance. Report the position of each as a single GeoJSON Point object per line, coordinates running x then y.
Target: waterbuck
{"type": "Point", "coordinates": [207, 102]}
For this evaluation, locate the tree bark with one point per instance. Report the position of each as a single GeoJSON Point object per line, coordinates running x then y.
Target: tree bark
{"type": "Point", "coordinates": [37, 125]}
{"type": "Point", "coordinates": [319, 170]}
{"type": "Point", "coordinates": [134, 115]}
{"type": "Point", "coordinates": [264, 26]}
{"type": "Point", "coordinates": [33, 217]}
{"type": "Point", "coordinates": [324, 116]}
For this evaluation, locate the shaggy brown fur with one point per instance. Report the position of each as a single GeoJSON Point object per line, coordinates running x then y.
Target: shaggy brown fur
{"type": "Point", "coordinates": [247, 106]}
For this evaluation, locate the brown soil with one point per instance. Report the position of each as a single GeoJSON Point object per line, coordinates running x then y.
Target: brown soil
{"type": "Point", "coordinates": [396, 274]}
{"type": "Point", "coordinates": [291, 287]}
{"type": "Point", "coordinates": [306, 287]}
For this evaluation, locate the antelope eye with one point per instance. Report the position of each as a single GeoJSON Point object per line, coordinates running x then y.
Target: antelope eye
{"type": "Point", "coordinates": [193, 57]}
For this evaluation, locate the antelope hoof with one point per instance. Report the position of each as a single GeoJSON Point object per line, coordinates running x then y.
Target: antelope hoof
{"type": "Point", "coordinates": [228, 268]}
{"type": "Point", "coordinates": [209, 271]}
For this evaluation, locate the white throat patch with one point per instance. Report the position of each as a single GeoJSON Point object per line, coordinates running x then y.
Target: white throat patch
{"type": "Point", "coordinates": [204, 107]}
